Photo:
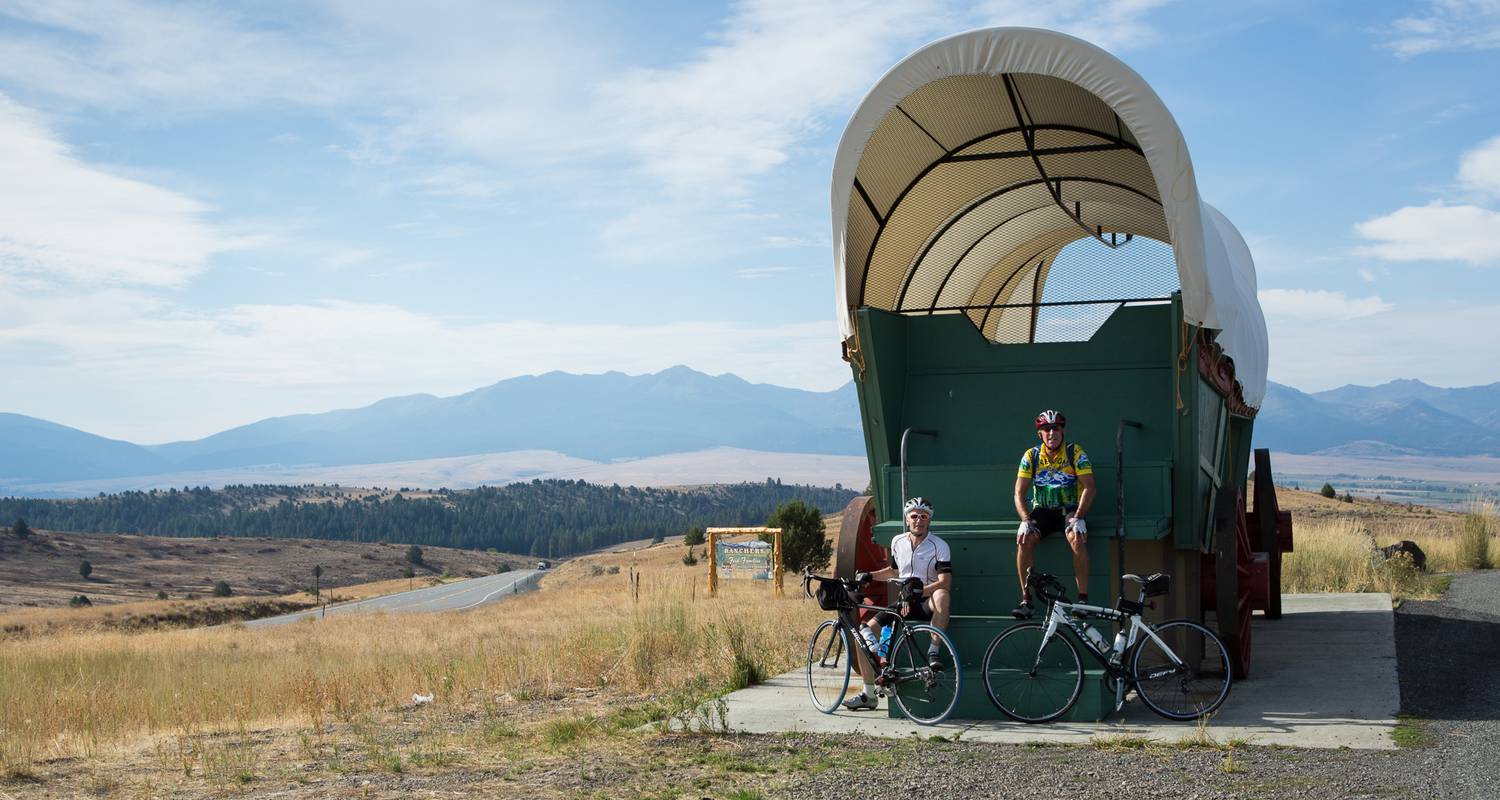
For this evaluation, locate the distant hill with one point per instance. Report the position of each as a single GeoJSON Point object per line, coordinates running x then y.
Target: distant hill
{"type": "Point", "coordinates": [611, 416]}
{"type": "Point", "coordinates": [34, 450]}
{"type": "Point", "coordinates": [597, 417]}
{"type": "Point", "coordinates": [1401, 417]}
{"type": "Point", "coordinates": [539, 518]}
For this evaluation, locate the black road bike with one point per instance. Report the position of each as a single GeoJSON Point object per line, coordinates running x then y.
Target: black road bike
{"type": "Point", "coordinates": [926, 690]}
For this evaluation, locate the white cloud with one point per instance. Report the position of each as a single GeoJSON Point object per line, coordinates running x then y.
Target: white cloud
{"type": "Point", "coordinates": [1114, 26]}
{"type": "Point", "coordinates": [1417, 340]}
{"type": "Point", "coordinates": [737, 107]}
{"type": "Point", "coordinates": [1318, 304]}
{"type": "Point", "coordinates": [126, 53]}
{"type": "Point", "coordinates": [761, 272]}
{"type": "Point", "coordinates": [1434, 232]}
{"type": "Point", "coordinates": [63, 218]}
{"type": "Point", "coordinates": [1479, 169]}
{"type": "Point", "coordinates": [1446, 25]}
{"type": "Point", "coordinates": [517, 89]}
{"type": "Point", "coordinates": [462, 180]}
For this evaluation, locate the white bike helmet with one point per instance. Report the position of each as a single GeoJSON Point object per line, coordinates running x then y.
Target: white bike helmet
{"type": "Point", "coordinates": [917, 504]}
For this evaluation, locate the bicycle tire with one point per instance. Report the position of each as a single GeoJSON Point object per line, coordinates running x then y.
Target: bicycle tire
{"type": "Point", "coordinates": [925, 695]}
{"type": "Point", "coordinates": [1173, 693]}
{"type": "Point", "coordinates": [1030, 682]}
{"type": "Point", "coordinates": [828, 665]}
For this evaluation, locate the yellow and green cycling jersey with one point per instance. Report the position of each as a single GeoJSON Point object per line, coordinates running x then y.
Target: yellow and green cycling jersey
{"type": "Point", "coordinates": [1054, 476]}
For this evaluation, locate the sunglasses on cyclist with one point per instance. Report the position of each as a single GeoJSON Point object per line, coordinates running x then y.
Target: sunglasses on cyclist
{"type": "Point", "coordinates": [1050, 428]}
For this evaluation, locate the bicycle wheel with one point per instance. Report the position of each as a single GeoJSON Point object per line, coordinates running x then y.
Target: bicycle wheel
{"type": "Point", "coordinates": [828, 666]}
{"type": "Point", "coordinates": [1029, 681]}
{"type": "Point", "coordinates": [1187, 691]}
{"type": "Point", "coordinates": [925, 693]}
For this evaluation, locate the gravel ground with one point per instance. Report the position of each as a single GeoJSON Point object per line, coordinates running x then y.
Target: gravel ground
{"type": "Point", "coordinates": [1446, 655]}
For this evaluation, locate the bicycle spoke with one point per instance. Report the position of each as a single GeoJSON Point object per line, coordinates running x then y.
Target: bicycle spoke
{"type": "Point", "coordinates": [828, 666]}
{"type": "Point", "coordinates": [1189, 685]}
{"type": "Point", "coordinates": [925, 694]}
{"type": "Point", "coordinates": [1028, 681]}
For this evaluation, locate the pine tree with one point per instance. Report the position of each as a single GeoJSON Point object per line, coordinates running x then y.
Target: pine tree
{"type": "Point", "coordinates": [803, 542]}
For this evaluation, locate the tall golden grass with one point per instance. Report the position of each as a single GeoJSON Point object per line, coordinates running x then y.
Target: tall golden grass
{"type": "Point", "coordinates": [1479, 530]}
{"type": "Point", "coordinates": [73, 694]}
{"type": "Point", "coordinates": [1337, 555]}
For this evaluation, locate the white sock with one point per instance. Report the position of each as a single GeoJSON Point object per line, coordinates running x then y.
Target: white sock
{"type": "Point", "coordinates": [869, 690]}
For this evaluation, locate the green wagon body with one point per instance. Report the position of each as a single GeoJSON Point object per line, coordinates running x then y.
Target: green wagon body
{"type": "Point", "coordinates": [930, 362]}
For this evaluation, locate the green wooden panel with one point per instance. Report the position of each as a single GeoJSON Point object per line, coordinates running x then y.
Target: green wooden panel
{"type": "Point", "coordinates": [983, 493]}
{"type": "Point", "coordinates": [982, 397]}
{"type": "Point", "coordinates": [985, 581]}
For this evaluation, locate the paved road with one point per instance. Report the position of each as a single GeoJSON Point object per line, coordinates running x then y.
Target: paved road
{"type": "Point", "coordinates": [1448, 649]}
{"type": "Point", "coordinates": [458, 596]}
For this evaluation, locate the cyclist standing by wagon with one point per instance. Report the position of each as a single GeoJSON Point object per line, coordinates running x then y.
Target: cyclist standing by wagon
{"type": "Point", "coordinates": [925, 564]}
{"type": "Point", "coordinates": [1060, 481]}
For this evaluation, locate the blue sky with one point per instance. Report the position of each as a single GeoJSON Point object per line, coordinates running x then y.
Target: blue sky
{"type": "Point", "coordinates": [214, 214]}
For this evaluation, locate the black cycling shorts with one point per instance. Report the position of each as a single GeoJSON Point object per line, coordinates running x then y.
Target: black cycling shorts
{"type": "Point", "coordinates": [1051, 519]}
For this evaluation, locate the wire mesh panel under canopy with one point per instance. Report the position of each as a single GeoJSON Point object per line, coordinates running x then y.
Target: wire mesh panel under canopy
{"type": "Point", "coordinates": [1085, 283]}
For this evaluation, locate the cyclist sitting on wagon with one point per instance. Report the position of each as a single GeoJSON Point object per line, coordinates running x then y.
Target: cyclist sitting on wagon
{"type": "Point", "coordinates": [1061, 483]}
{"type": "Point", "coordinates": [925, 565]}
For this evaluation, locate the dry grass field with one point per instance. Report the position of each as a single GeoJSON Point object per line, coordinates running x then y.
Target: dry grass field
{"type": "Point", "coordinates": [585, 659]}
{"type": "Point", "coordinates": [1334, 540]}
{"type": "Point", "coordinates": [42, 570]}
{"type": "Point", "coordinates": [543, 695]}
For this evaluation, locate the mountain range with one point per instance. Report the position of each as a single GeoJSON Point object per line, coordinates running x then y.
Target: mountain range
{"type": "Point", "coordinates": [614, 416]}
{"type": "Point", "coordinates": [598, 417]}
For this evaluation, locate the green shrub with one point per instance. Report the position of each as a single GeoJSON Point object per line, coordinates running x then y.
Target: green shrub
{"type": "Point", "coordinates": [613, 570]}
{"type": "Point", "coordinates": [690, 559]}
{"type": "Point", "coordinates": [1328, 491]}
{"type": "Point", "coordinates": [160, 595]}
{"type": "Point", "coordinates": [596, 570]}
{"type": "Point", "coordinates": [85, 569]}
{"type": "Point", "coordinates": [221, 589]}
{"type": "Point", "coordinates": [79, 601]}
{"type": "Point", "coordinates": [695, 536]}
{"type": "Point", "coordinates": [803, 540]}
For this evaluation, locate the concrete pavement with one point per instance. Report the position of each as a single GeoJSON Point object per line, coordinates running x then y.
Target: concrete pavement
{"type": "Point", "coordinates": [1324, 675]}
{"type": "Point", "coordinates": [457, 596]}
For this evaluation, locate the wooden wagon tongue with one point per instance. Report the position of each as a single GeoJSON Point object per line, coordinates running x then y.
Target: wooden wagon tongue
{"type": "Point", "coordinates": [1017, 226]}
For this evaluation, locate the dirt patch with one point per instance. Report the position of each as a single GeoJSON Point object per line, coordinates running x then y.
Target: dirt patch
{"type": "Point", "coordinates": [43, 570]}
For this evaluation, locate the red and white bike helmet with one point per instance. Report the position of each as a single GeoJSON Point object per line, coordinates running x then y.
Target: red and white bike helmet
{"type": "Point", "coordinates": [1050, 417]}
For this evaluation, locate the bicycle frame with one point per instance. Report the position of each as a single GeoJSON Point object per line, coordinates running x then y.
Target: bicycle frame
{"type": "Point", "coordinates": [1060, 616]}
{"type": "Point", "coordinates": [848, 619]}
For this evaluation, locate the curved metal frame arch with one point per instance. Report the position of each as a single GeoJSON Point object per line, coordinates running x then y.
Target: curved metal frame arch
{"type": "Point", "coordinates": [916, 264]}
{"type": "Point", "coordinates": [1112, 142]}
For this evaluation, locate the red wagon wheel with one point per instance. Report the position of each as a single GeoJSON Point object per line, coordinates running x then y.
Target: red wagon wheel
{"type": "Point", "coordinates": [855, 550]}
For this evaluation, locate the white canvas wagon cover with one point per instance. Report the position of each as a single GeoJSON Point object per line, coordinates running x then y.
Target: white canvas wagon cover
{"type": "Point", "coordinates": [978, 158]}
